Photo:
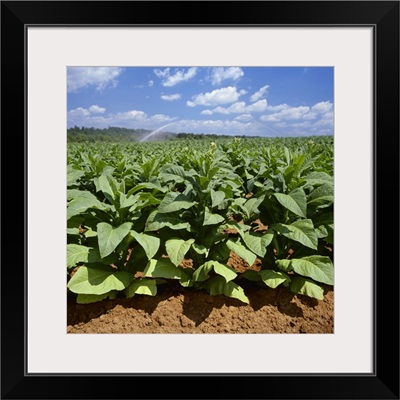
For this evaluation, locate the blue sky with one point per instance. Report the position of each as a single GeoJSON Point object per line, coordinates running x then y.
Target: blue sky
{"type": "Point", "coordinates": [253, 101]}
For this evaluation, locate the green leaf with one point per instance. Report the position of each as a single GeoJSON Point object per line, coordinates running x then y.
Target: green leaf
{"type": "Point", "coordinates": [103, 184]}
{"type": "Point", "coordinates": [224, 270]}
{"type": "Point", "coordinates": [319, 268]}
{"type": "Point", "coordinates": [142, 286]}
{"type": "Point", "coordinates": [125, 202]}
{"type": "Point", "coordinates": [146, 185]}
{"type": "Point", "coordinates": [200, 249]}
{"type": "Point", "coordinates": [217, 285]}
{"type": "Point", "coordinates": [98, 280]}
{"type": "Point", "coordinates": [273, 278]}
{"type": "Point", "coordinates": [177, 248]}
{"type": "Point", "coordinates": [202, 273]}
{"type": "Point", "coordinates": [241, 251]}
{"type": "Point", "coordinates": [77, 253]}
{"type": "Point", "coordinates": [257, 243]}
{"type": "Point", "coordinates": [321, 197]}
{"type": "Point", "coordinates": [217, 197]}
{"type": "Point", "coordinates": [73, 176]}
{"type": "Point", "coordinates": [93, 298]}
{"type": "Point", "coordinates": [318, 178]}
{"type": "Point", "coordinates": [295, 201]}
{"type": "Point", "coordinates": [150, 244]}
{"type": "Point", "coordinates": [212, 219]}
{"type": "Point", "coordinates": [174, 202]}
{"type": "Point", "coordinates": [301, 231]}
{"type": "Point", "coordinates": [81, 204]}
{"type": "Point", "coordinates": [109, 237]}
{"type": "Point", "coordinates": [252, 204]}
{"type": "Point", "coordinates": [158, 221]}
{"type": "Point", "coordinates": [163, 268]}
{"type": "Point", "coordinates": [300, 285]}
{"type": "Point", "coordinates": [284, 265]}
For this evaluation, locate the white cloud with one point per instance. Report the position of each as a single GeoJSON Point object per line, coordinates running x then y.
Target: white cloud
{"type": "Point", "coordinates": [240, 108]}
{"type": "Point", "coordinates": [322, 107]}
{"type": "Point", "coordinates": [171, 97]}
{"type": "Point", "coordinates": [79, 112]}
{"type": "Point", "coordinates": [96, 109]}
{"type": "Point", "coordinates": [131, 115]}
{"type": "Point", "coordinates": [302, 120]}
{"type": "Point", "coordinates": [177, 77]}
{"type": "Point", "coordinates": [206, 112]}
{"type": "Point", "coordinates": [287, 114]}
{"type": "Point", "coordinates": [244, 117]}
{"type": "Point", "coordinates": [259, 94]}
{"type": "Point", "coordinates": [150, 83]}
{"type": "Point", "coordinates": [129, 119]}
{"type": "Point", "coordinates": [99, 77]}
{"type": "Point", "coordinates": [278, 107]}
{"type": "Point", "coordinates": [218, 96]}
{"type": "Point", "coordinates": [220, 74]}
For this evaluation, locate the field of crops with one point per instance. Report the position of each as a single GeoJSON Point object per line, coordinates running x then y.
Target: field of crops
{"type": "Point", "coordinates": [141, 215]}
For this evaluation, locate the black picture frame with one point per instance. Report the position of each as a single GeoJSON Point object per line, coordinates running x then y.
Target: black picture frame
{"type": "Point", "coordinates": [383, 383]}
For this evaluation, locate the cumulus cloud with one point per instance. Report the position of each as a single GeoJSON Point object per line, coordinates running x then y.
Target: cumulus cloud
{"type": "Point", "coordinates": [302, 120]}
{"type": "Point", "coordinates": [93, 117]}
{"type": "Point", "coordinates": [180, 75]}
{"type": "Point", "coordinates": [287, 114]}
{"type": "Point", "coordinates": [244, 117]}
{"type": "Point", "coordinates": [99, 77]}
{"type": "Point", "coordinates": [259, 94]}
{"type": "Point", "coordinates": [219, 96]}
{"type": "Point", "coordinates": [150, 83]}
{"type": "Point", "coordinates": [96, 109]}
{"type": "Point", "coordinates": [220, 74]}
{"type": "Point", "coordinates": [171, 97]}
{"type": "Point", "coordinates": [240, 107]}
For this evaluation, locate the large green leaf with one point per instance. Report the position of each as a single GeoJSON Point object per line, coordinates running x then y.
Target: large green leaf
{"type": "Point", "coordinates": [257, 242]}
{"type": "Point", "coordinates": [104, 184]}
{"type": "Point", "coordinates": [241, 251]}
{"type": "Point", "coordinates": [93, 298]}
{"type": "Point", "coordinates": [109, 237]}
{"type": "Point", "coordinates": [318, 178]}
{"type": "Point", "coordinates": [177, 248]}
{"type": "Point", "coordinates": [158, 221]}
{"type": "Point", "coordinates": [295, 201]}
{"type": "Point", "coordinates": [77, 253]}
{"type": "Point", "coordinates": [81, 204]}
{"type": "Point", "coordinates": [217, 197]}
{"type": "Point", "coordinates": [301, 231]}
{"type": "Point", "coordinates": [163, 268]}
{"type": "Point", "coordinates": [174, 202]}
{"type": "Point", "coordinates": [319, 268]}
{"type": "Point", "coordinates": [202, 273]}
{"type": "Point", "coordinates": [73, 175]}
{"type": "Point", "coordinates": [300, 285]}
{"type": "Point", "coordinates": [212, 219]}
{"type": "Point", "coordinates": [142, 286]}
{"type": "Point", "coordinates": [284, 265]}
{"type": "Point", "coordinates": [150, 244]}
{"type": "Point", "coordinates": [217, 285]}
{"type": "Point", "coordinates": [321, 197]}
{"type": "Point", "coordinates": [98, 280]}
{"type": "Point", "coordinates": [273, 278]}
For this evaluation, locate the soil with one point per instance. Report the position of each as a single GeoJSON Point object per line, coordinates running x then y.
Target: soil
{"type": "Point", "coordinates": [180, 310]}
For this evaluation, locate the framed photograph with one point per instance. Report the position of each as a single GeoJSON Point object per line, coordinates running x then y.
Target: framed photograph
{"type": "Point", "coordinates": [327, 71]}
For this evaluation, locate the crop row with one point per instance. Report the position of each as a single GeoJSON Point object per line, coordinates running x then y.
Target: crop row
{"type": "Point", "coordinates": [144, 214]}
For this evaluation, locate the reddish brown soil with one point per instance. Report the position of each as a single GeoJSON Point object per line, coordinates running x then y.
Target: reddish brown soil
{"type": "Point", "coordinates": [181, 310]}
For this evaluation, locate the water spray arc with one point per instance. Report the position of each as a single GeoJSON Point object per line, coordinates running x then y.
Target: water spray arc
{"type": "Point", "coordinates": [154, 132]}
